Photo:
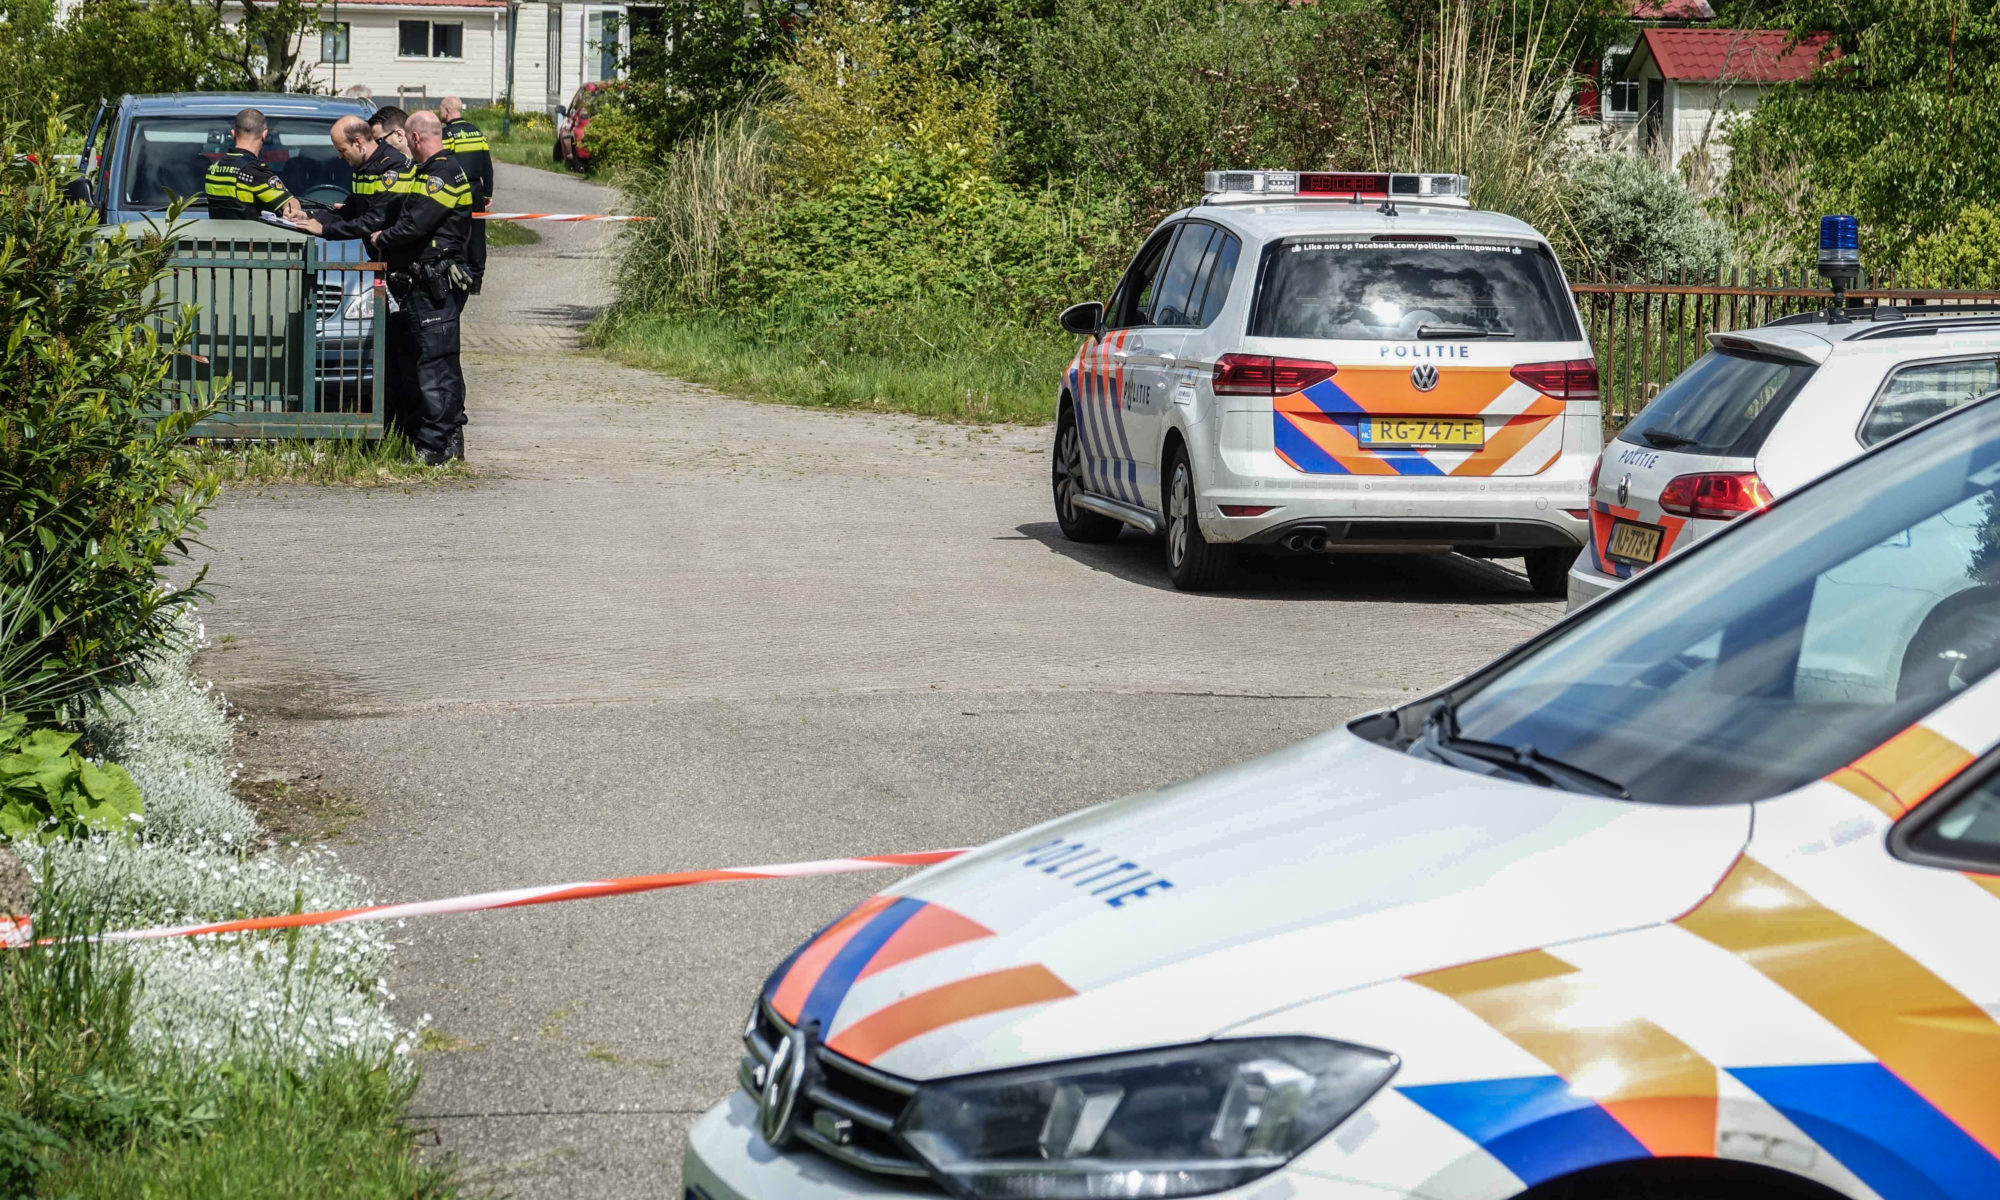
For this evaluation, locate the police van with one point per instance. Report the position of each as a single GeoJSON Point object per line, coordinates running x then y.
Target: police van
{"type": "Point", "coordinates": [1315, 361]}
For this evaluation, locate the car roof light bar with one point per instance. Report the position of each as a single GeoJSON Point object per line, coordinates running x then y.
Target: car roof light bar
{"type": "Point", "coordinates": [1395, 187]}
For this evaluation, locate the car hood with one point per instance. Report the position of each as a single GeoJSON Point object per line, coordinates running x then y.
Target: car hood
{"type": "Point", "coordinates": [1172, 915]}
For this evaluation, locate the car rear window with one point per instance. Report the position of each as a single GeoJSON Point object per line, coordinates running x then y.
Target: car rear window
{"type": "Point", "coordinates": [1389, 288]}
{"type": "Point", "coordinates": [169, 156]}
{"type": "Point", "coordinates": [1725, 404]}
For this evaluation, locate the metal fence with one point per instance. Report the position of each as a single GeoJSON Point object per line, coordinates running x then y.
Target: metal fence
{"type": "Point", "coordinates": [1647, 331]}
{"type": "Point", "coordinates": [287, 344]}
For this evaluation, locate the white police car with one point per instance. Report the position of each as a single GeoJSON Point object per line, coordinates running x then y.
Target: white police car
{"type": "Point", "coordinates": [1691, 897]}
{"type": "Point", "coordinates": [1764, 412]}
{"type": "Point", "coordinates": [1314, 361]}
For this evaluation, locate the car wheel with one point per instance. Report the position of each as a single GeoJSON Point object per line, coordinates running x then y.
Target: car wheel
{"type": "Point", "coordinates": [559, 153]}
{"type": "Point", "coordinates": [1066, 481]}
{"type": "Point", "coordinates": [1957, 643]}
{"type": "Point", "coordinates": [1193, 562]}
{"type": "Point", "coordinates": [1548, 571]}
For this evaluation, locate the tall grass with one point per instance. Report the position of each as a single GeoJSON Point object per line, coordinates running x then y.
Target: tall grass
{"type": "Point", "coordinates": [695, 205]}
{"type": "Point", "coordinates": [1487, 103]}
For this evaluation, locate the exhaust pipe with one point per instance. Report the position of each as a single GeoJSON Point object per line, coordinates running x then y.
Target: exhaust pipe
{"type": "Point", "coordinates": [1316, 543]}
{"type": "Point", "coordinates": [1305, 541]}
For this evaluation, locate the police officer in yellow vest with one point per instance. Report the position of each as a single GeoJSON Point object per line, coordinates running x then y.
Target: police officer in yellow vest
{"type": "Point", "coordinates": [241, 184]}
{"type": "Point", "coordinates": [424, 249]}
{"type": "Point", "coordinates": [469, 147]}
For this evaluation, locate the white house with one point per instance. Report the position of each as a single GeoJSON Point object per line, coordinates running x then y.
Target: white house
{"type": "Point", "coordinates": [413, 52]}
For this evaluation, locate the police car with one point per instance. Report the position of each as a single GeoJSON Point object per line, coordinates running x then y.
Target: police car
{"type": "Point", "coordinates": [1694, 896]}
{"type": "Point", "coordinates": [1314, 361]}
{"type": "Point", "coordinates": [1763, 412]}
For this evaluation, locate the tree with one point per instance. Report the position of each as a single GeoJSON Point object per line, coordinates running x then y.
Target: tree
{"type": "Point", "coordinates": [700, 58]}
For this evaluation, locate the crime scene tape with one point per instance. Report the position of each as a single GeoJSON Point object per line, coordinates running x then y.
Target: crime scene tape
{"type": "Point", "coordinates": [527, 216]}
{"type": "Point", "coordinates": [20, 934]}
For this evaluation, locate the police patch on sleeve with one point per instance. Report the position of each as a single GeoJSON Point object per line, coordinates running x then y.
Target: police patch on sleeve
{"type": "Point", "coordinates": [433, 184]}
{"type": "Point", "coordinates": [389, 178]}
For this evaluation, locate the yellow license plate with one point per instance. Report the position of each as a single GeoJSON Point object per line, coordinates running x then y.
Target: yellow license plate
{"type": "Point", "coordinates": [1631, 542]}
{"type": "Point", "coordinates": [1410, 433]}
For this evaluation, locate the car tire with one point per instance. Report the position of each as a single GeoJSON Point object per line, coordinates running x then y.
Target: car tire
{"type": "Point", "coordinates": [1194, 563]}
{"type": "Point", "coordinates": [1548, 571]}
{"type": "Point", "coordinates": [559, 153]}
{"type": "Point", "coordinates": [1066, 481]}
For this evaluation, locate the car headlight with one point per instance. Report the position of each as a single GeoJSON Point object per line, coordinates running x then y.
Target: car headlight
{"type": "Point", "coordinates": [361, 308]}
{"type": "Point", "coordinates": [1172, 1122]}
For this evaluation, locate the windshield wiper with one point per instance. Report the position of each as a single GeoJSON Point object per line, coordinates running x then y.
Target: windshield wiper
{"type": "Point", "coordinates": [1445, 742]}
{"type": "Point", "coordinates": [1665, 441]}
{"type": "Point", "coordinates": [1460, 331]}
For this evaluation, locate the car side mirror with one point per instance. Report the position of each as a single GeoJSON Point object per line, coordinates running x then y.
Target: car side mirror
{"type": "Point", "coordinates": [562, 110]}
{"type": "Point", "coordinates": [1084, 320]}
{"type": "Point", "coordinates": [77, 191]}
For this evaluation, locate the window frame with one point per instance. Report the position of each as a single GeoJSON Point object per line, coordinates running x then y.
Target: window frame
{"type": "Point", "coordinates": [1194, 276]}
{"type": "Point", "coordinates": [403, 23]}
{"type": "Point", "coordinates": [343, 31]}
{"type": "Point", "coordinates": [1889, 378]}
{"type": "Point", "coordinates": [1206, 280]}
{"type": "Point", "coordinates": [1164, 238]}
{"type": "Point", "coordinates": [460, 27]}
{"type": "Point", "coordinates": [1910, 826]}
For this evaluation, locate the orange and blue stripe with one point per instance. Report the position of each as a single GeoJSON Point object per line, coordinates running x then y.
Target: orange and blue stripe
{"type": "Point", "coordinates": [1318, 430]}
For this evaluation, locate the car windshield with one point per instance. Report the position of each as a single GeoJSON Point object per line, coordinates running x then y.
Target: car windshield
{"type": "Point", "coordinates": [170, 155]}
{"type": "Point", "coordinates": [1398, 289]}
{"type": "Point", "coordinates": [1767, 657]}
{"type": "Point", "coordinates": [1725, 404]}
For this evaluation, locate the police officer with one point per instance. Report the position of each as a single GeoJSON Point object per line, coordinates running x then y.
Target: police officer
{"type": "Point", "coordinates": [387, 122]}
{"type": "Point", "coordinates": [374, 197]}
{"type": "Point", "coordinates": [468, 145]}
{"type": "Point", "coordinates": [241, 184]}
{"type": "Point", "coordinates": [425, 249]}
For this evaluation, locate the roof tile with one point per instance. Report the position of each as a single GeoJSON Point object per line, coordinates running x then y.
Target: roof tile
{"type": "Point", "coordinates": [1736, 55]}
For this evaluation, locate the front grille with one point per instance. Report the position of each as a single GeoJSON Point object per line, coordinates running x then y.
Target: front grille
{"type": "Point", "coordinates": [327, 299]}
{"type": "Point", "coordinates": [847, 1112]}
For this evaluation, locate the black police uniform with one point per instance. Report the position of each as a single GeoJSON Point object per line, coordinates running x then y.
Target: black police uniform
{"type": "Point", "coordinates": [374, 197]}
{"type": "Point", "coordinates": [240, 185]}
{"type": "Point", "coordinates": [424, 249]}
{"type": "Point", "coordinates": [468, 145]}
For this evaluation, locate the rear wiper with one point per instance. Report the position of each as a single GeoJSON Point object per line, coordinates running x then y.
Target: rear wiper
{"type": "Point", "coordinates": [1441, 730]}
{"type": "Point", "coordinates": [1460, 331]}
{"type": "Point", "coordinates": [1665, 441]}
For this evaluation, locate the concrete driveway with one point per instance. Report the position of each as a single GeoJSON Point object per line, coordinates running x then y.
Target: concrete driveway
{"type": "Point", "coordinates": [665, 629]}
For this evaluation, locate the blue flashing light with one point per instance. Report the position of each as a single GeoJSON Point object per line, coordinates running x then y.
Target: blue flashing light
{"type": "Point", "coordinates": [1839, 240]}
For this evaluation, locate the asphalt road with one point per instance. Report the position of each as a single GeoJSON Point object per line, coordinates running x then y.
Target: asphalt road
{"type": "Point", "coordinates": [669, 629]}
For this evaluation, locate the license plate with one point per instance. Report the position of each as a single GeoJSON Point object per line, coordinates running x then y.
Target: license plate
{"type": "Point", "coordinates": [1411, 433]}
{"type": "Point", "coordinates": [1631, 542]}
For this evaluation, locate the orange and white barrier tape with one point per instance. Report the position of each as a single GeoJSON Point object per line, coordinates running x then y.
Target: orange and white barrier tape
{"type": "Point", "coordinates": [526, 216]}
{"type": "Point", "coordinates": [21, 934]}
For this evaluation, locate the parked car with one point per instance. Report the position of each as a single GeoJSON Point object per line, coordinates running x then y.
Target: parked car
{"type": "Point", "coordinates": [571, 120]}
{"type": "Point", "coordinates": [1764, 412]}
{"type": "Point", "coordinates": [1317, 361]}
{"type": "Point", "coordinates": [141, 153]}
{"type": "Point", "coordinates": [1692, 896]}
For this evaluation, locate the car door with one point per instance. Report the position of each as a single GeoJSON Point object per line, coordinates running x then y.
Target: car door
{"type": "Point", "coordinates": [1106, 371]}
{"type": "Point", "coordinates": [1152, 365]}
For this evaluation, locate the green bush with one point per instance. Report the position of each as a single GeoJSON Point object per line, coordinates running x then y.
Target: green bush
{"type": "Point", "coordinates": [48, 790]}
{"type": "Point", "coordinates": [96, 498]}
{"type": "Point", "coordinates": [1632, 217]}
{"type": "Point", "coordinates": [1963, 253]}
{"type": "Point", "coordinates": [615, 137]}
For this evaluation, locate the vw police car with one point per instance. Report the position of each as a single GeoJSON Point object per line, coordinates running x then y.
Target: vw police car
{"type": "Point", "coordinates": [1312, 361]}
{"type": "Point", "coordinates": [1763, 412]}
{"type": "Point", "coordinates": [1694, 896]}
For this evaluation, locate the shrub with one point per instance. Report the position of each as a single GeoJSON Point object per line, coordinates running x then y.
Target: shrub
{"type": "Point", "coordinates": [615, 136]}
{"type": "Point", "coordinates": [1630, 216]}
{"type": "Point", "coordinates": [697, 205]}
{"type": "Point", "coordinates": [48, 790]}
{"type": "Point", "coordinates": [95, 497]}
{"type": "Point", "coordinates": [1965, 252]}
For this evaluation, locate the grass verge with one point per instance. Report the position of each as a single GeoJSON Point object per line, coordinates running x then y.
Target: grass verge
{"type": "Point", "coordinates": [510, 233]}
{"type": "Point", "coordinates": [331, 461]}
{"type": "Point", "coordinates": [952, 367]}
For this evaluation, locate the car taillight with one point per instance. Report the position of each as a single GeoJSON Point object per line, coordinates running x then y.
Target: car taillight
{"type": "Point", "coordinates": [1721, 496]}
{"type": "Point", "coordinates": [1263, 375]}
{"type": "Point", "coordinates": [1575, 379]}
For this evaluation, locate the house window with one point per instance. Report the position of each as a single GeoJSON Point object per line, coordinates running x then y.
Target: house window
{"type": "Point", "coordinates": [1621, 100]}
{"type": "Point", "coordinates": [333, 42]}
{"type": "Point", "coordinates": [430, 39]}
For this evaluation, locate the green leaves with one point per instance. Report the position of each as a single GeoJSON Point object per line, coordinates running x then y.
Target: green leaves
{"type": "Point", "coordinates": [48, 790]}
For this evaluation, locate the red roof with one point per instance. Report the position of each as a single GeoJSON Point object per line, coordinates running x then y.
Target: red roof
{"type": "Point", "coordinates": [1736, 55]}
{"type": "Point", "coordinates": [1669, 10]}
{"type": "Point", "coordinates": [498, 4]}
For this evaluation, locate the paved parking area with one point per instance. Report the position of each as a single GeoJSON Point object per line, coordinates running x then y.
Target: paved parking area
{"type": "Point", "coordinates": [665, 628]}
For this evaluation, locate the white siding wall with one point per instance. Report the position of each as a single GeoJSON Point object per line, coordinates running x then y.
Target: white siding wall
{"type": "Point", "coordinates": [531, 65]}
{"type": "Point", "coordinates": [373, 61]}
{"type": "Point", "coordinates": [582, 55]}
{"type": "Point", "coordinates": [1701, 110]}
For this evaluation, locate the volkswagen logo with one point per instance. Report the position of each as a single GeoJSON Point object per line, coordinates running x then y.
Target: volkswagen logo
{"type": "Point", "coordinates": [1423, 377]}
{"type": "Point", "coordinates": [1624, 489]}
{"type": "Point", "coordinates": [784, 1078]}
